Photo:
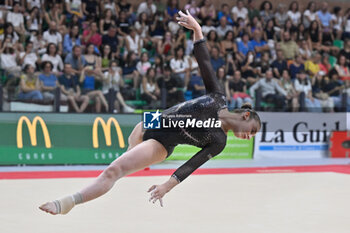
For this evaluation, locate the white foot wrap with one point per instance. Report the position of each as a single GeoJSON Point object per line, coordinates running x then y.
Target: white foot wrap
{"type": "Point", "coordinates": [64, 205]}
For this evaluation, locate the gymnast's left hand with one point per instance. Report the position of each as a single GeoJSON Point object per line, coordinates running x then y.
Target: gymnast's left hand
{"type": "Point", "coordinates": [157, 193]}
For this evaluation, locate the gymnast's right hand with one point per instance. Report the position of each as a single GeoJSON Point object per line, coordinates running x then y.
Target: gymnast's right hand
{"type": "Point", "coordinates": [187, 21]}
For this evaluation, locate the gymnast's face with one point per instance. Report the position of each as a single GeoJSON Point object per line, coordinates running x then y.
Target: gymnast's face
{"type": "Point", "coordinates": [247, 128]}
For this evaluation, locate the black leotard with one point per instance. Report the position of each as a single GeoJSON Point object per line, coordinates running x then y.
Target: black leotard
{"type": "Point", "coordinates": [211, 140]}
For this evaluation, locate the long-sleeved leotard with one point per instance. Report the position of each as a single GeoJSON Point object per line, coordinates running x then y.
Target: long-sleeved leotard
{"type": "Point", "coordinates": [211, 140]}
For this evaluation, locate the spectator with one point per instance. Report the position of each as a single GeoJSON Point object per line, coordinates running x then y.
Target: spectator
{"type": "Point", "coordinates": [223, 81]}
{"type": "Point", "coordinates": [16, 18]}
{"type": "Point", "coordinates": [312, 66]}
{"type": "Point", "coordinates": [126, 7]}
{"type": "Point", "coordinates": [227, 45]}
{"type": "Point", "coordinates": [223, 28]}
{"type": "Point", "coordinates": [158, 66]}
{"type": "Point", "coordinates": [310, 14]}
{"type": "Point", "coordinates": [325, 66]}
{"type": "Point", "coordinates": [149, 89]}
{"type": "Point", "coordinates": [34, 20]}
{"type": "Point", "coordinates": [294, 13]}
{"type": "Point", "coordinates": [207, 10]}
{"type": "Point", "coordinates": [208, 26]}
{"type": "Point", "coordinates": [112, 6]}
{"type": "Point", "coordinates": [106, 22]}
{"type": "Point", "coordinates": [91, 8]}
{"type": "Point", "coordinates": [123, 25]}
{"type": "Point", "coordinates": [248, 68]}
{"type": "Point", "coordinates": [337, 22]}
{"type": "Point", "coordinates": [29, 85]}
{"type": "Point", "coordinates": [11, 34]}
{"type": "Point", "coordinates": [244, 47]}
{"type": "Point", "coordinates": [171, 84]}
{"type": "Point", "coordinates": [71, 39]}
{"type": "Point", "coordinates": [289, 48]}
{"type": "Point", "coordinates": [148, 7]}
{"type": "Point", "coordinates": [39, 45]}
{"type": "Point", "coordinates": [9, 57]}
{"type": "Point", "coordinates": [158, 27]}
{"type": "Point", "coordinates": [238, 92]}
{"type": "Point", "coordinates": [92, 59]}
{"type": "Point", "coordinates": [305, 50]}
{"type": "Point", "coordinates": [346, 51]}
{"type": "Point", "coordinates": [180, 65]}
{"type": "Point", "coordinates": [113, 80]}
{"type": "Point", "coordinates": [69, 83]}
{"type": "Point", "coordinates": [143, 65]}
{"type": "Point", "coordinates": [240, 30]}
{"type": "Point", "coordinates": [346, 33]}
{"type": "Point", "coordinates": [324, 17]}
{"type": "Point", "coordinates": [106, 57]}
{"type": "Point", "coordinates": [271, 91]}
{"type": "Point", "coordinates": [53, 36]}
{"type": "Point", "coordinates": [111, 39]}
{"type": "Point", "coordinates": [303, 84]}
{"type": "Point", "coordinates": [334, 88]}
{"type": "Point", "coordinates": [142, 27]}
{"type": "Point", "coordinates": [56, 15]}
{"type": "Point", "coordinates": [49, 82]}
{"type": "Point", "coordinates": [288, 86]}
{"type": "Point", "coordinates": [216, 60]}
{"type": "Point", "coordinates": [91, 35]}
{"type": "Point", "coordinates": [266, 11]}
{"type": "Point", "coordinates": [129, 69]}
{"type": "Point", "coordinates": [172, 9]}
{"type": "Point", "coordinates": [296, 67]}
{"type": "Point", "coordinates": [258, 44]}
{"type": "Point", "coordinates": [74, 7]}
{"type": "Point", "coordinates": [133, 42]}
{"type": "Point", "coordinates": [301, 34]}
{"type": "Point", "coordinates": [212, 40]}
{"type": "Point", "coordinates": [239, 11]}
{"type": "Point", "coordinates": [281, 15]}
{"type": "Point", "coordinates": [76, 60]}
{"type": "Point", "coordinates": [193, 8]}
{"type": "Point", "coordinates": [87, 80]}
{"type": "Point", "coordinates": [225, 11]}
{"type": "Point", "coordinates": [196, 85]}
{"type": "Point", "coordinates": [327, 103]}
{"type": "Point", "coordinates": [55, 59]}
{"type": "Point", "coordinates": [279, 65]}
{"type": "Point", "coordinates": [29, 57]}
{"type": "Point", "coordinates": [269, 32]}
{"type": "Point", "coordinates": [264, 64]}
{"type": "Point", "coordinates": [342, 68]}
{"type": "Point", "coordinates": [252, 11]}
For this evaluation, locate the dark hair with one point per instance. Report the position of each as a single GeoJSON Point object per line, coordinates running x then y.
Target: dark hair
{"type": "Point", "coordinates": [226, 35]}
{"type": "Point", "coordinates": [247, 107]}
{"type": "Point", "coordinates": [26, 67]}
{"type": "Point", "coordinates": [309, 5]}
{"type": "Point", "coordinates": [262, 6]}
{"type": "Point", "coordinates": [45, 63]}
{"type": "Point", "coordinates": [70, 31]}
{"type": "Point", "coordinates": [291, 4]}
{"type": "Point", "coordinates": [48, 48]}
{"type": "Point", "coordinates": [336, 10]}
{"type": "Point", "coordinates": [215, 33]}
{"type": "Point", "coordinates": [112, 61]}
{"type": "Point", "coordinates": [177, 49]}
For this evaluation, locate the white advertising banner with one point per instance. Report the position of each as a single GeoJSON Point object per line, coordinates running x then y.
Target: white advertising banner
{"type": "Point", "coordinates": [297, 135]}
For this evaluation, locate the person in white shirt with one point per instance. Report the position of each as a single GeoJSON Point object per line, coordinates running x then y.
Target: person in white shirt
{"type": "Point", "coordinates": [8, 62]}
{"type": "Point", "coordinates": [17, 20]}
{"type": "Point", "coordinates": [239, 11]}
{"type": "Point", "coordinates": [147, 7]}
{"type": "Point", "coordinates": [180, 65]}
{"type": "Point", "coordinates": [309, 14]}
{"type": "Point", "coordinates": [223, 27]}
{"type": "Point", "coordinates": [133, 42]}
{"type": "Point", "coordinates": [294, 13]}
{"type": "Point", "coordinates": [143, 65]}
{"type": "Point", "coordinates": [52, 56]}
{"type": "Point", "coordinates": [337, 18]}
{"type": "Point", "coordinates": [29, 57]}
{"type": "Point", "coordinates": [113, 80]}
{"type": "Point", "coordinates": [53, 36]}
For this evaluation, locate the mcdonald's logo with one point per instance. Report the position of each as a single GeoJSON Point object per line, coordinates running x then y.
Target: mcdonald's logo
{"type": "Point", "coordinates": [107, 132]}
{"type": "Point", "coordinates": [32, 131]}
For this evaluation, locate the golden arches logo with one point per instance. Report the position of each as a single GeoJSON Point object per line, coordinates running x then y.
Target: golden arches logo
{"type": "Point", "coordinates": [32, 131]}
{"type": "Point", "coordinates": [107, 132]}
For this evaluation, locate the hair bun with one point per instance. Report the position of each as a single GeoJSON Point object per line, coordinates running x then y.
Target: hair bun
{"type": "Point", "coordinates": [247, 106]}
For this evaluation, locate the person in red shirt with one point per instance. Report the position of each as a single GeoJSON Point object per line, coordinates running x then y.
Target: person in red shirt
{"type": "Point", "coordinates": [92, 36]}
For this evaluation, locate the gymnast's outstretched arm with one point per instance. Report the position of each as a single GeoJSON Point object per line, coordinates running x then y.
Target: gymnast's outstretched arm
{"type": "Point", "coordinates": [201, 53]}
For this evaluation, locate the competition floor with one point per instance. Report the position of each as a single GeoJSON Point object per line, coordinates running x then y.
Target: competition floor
{"type": "Point", "coordinates": [298, 199]}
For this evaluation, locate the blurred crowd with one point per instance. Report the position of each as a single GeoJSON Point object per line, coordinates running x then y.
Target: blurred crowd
{"type": "Point", "coordinates": [88, 49]}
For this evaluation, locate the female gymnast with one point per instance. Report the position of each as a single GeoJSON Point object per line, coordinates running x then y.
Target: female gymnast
{"type": "Point", "coordinates": [147, 147]}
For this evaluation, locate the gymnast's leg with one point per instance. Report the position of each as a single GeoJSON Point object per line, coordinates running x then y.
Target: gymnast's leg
{"type": "Point", "coordinates": [143, 155]}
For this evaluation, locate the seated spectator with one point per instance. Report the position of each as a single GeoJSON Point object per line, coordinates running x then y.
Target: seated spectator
{"type": "Point", "coordinates": [53, 36]}
{"type": "Point", "coordinates": [193, 8]}
{"type": "Point", "coordinates": [69, 83]}
{"type": "Point", "coordinates": [269, 34]}
{"type": "Point", "coordinates": [49, 82]}
{"type": "Point", "coordinates": [281, 15]}
{"type": "Point", "coordinates": [113, 80]}
{"type": "Point", "coordinates": [310, 14]}
{"type": "Point", "coordinates": [111, 39]}
{"type": "Point", "coordinates": [225, 11]}
{"type": "Point", "coordinates": [326, 101]}
{"type": "Point", "coordinates": [342, 68]}
{"type": "Point", "coordinates": [212, 40]}
{"type": "Point", "coordinates": [91, 58]}
{"type": "Point", "coordinates": [334, 88]}
{"type": "Point", "coordinates": [87, 80]}
{"type": "Point", "coordinates": [271, 91]}
{"type": "Point", "coordinates": [227, 45]}
{"type": "Point", "coordinates": [288, 86]}
{"type": "Point", "coordinates": [324, 17]}
{"type": "Point", "coordinates": [243, 47]}
{"type": "Point", "coordinates": [91, 8]}
{"type": "Point", "coordinates": [223, 27]}
{"type": "Point", "coordinates": [279, 65]}
{"type": "Point", "coordinates": [239, 11]}
{"type": "Point", "coordinates": [74, 8]}
{"type": "Point", "coordinates": [158, 27]}
{"type": "Point", "coordinates": [9, 57]}
{"type": "Point", "coordinates": [70, 39]}
{"type": "Point", "coordinates": [196, 85]}
{"type": "Point", "coordinates": [180, 65]}
{"type": "Point", "coordinates": [216, 60]}
{"type": "Point", "coordinates": [165, 46]}
{"type": "Point", "coordinates": [106, 21]}
{"type": "Point", "coordinates": [148, 7]}
{"type": "Point", "coordinates": [29, 57]}
{"type": "Point", "coordinates": [149, 89]}
{"type": "Point", "coordinates": [296, 67]}
{"type": "Point", "coordinates": [123, 25]}
{"type": "Point", "coordinates": [208, 25]}
{"type": "Point", "coordinates": [325, 66]}
{"type": "Point", "coordinates": [303, 84]}
{"type": "Point", "coordinates": [158, 66]}
{"type": "Point", "coordinates": [142, 27]}
{"type": "Point", "coordinates": [238, 92]}
{"type": "Point", "coordinates": [172, 9]}
{"type": "Point", "coordinates": [264, 64]}
{"type": "Point", "coordinates": [252, 10]}
{"type": "Point", "coordinates": [134, 42]}
{"type": "Point", "coordinates": [266, 11]}
{"type": "Point", "coordinates": [223, 80]}
{"type": "Point", "coordinates": [56, 15]}
{"type": "Point", "coordinates": [181, 40]}
{"type": "Point", "coordinates": [11, 35]}
{"type": "Point", "coordinates": [29, 85]}
{"type": "Point", "coordinates": [130, 70]}
{"type": "Point", "coordinates": [305, 50]}
{"type": "Point", "coordinates": [16, 18]}
{"type": "Point", "coordinates": [39, 45]}
{"type": "Point", "coordinates": [125, 6]}
{"type": "Point", "coordinates": [76, 59]}
{"type": "Point", "coordinates": [143, 65]}
{"type": "Point", "coordinates": [294, 13]}
{"type": "Point", "coordinates": [312, 66]}
{"type": "Point", "coordinates": [207, 10]}
{"type": "Point", "coordinates": [170, 83]}
{"type": "Point", "coordinates": [34, 20]}
{"type": "Point", "coordinates": [337, 22]}
{"type": "Point", "coordinates": [289, 47]}
{"type": "Point", "coordinates": [106, 57]}
{"type": "Point", "coordinates": [91, 35]}
{"type": "Point", "coordinates": [248, 68]}
{"type": "Point", "coordinates": [112, 6]}
{"type": "Point", "coordinates": [258, 44]}
{"type": "Point", "coordinates": [52, 56]}
{"type": "Point", "coordinates": [346, 51]}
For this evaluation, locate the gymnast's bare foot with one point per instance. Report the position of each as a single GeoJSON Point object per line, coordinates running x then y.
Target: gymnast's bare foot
{"type": "Point", "coordinates": [49, 207]}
